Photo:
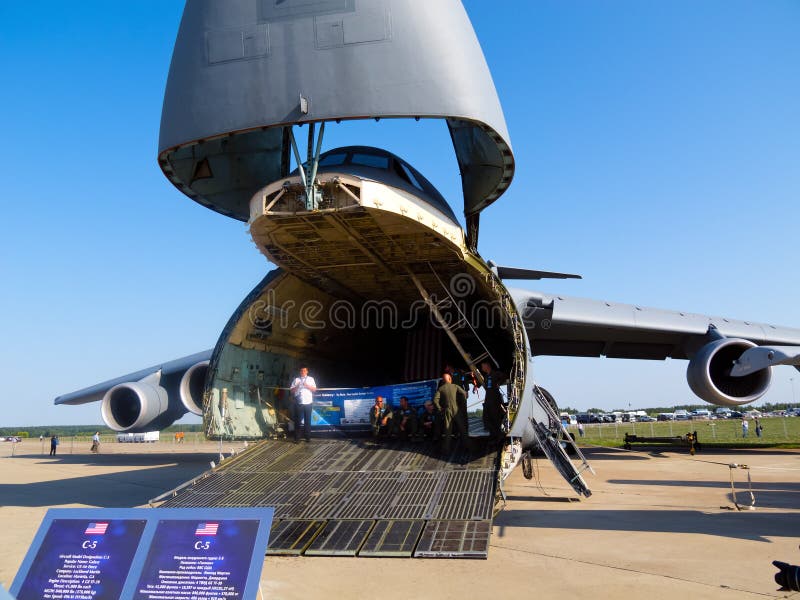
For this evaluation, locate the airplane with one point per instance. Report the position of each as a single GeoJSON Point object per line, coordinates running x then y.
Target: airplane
{"type": "Point", "coordinates": [369, 254]}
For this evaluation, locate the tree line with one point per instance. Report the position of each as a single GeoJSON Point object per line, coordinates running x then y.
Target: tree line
{"type": "Point", "coordinates": [34, 431]}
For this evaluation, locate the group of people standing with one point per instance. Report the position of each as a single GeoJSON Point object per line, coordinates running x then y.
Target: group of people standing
{"type": "Point", "coordinates": [440, 419]}
{"type": "Point", "coordinates": [445, 415]}
{"type": "Point", "coordinates": [746, 427]}
{"type": "Point", "coordinates": [54, 442]}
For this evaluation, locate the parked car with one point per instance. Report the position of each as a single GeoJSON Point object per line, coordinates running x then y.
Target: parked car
{"type": "Point", "coordinates": [646, 419]}
{"type": "Point", "coordinates": [700, 414]}
{"type": "Point", "coordinates": [681, 415]}
{"type": "Point", "coordinates": [665, 417]}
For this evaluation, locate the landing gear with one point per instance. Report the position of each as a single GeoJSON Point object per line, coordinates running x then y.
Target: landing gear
{"type": "Point", "coordinates": [527, 467]}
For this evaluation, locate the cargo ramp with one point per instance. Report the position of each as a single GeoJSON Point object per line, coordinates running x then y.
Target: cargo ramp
{"type": "Point", "coordinates": [358, 497]}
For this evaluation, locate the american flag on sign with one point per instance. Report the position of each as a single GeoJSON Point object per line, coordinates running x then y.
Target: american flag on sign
{"type": "Point", "coordinates": [96, 529]}
{"type": "Point", "coordinates": [206, 529]}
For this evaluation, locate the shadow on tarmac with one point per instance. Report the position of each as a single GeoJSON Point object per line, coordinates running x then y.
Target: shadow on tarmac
{"type": "Point", "coordinates": [746, 525]}
{"type": "Point", "coordinates": [123, 489]}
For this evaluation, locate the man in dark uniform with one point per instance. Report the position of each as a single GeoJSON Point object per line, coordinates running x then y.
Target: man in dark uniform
{"type": "Point", "coordinates": [446, 401]}
{"type": "Point", "coordinates": [461, 380]}
{"type": "Point", "coordinates": [379, 417]}
{"type": "Point", "coordinates": [430, 423]}
{"type": "Point", "coordinates": [494, 409]}
{"type": "Point", "coordinates": [405, 420]}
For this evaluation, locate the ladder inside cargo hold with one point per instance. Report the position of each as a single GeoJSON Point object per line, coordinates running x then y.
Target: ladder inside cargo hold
{"type": "Point", "coordinates": [449, 328]}
{"type": "Point", "coordinates": [516, 375]}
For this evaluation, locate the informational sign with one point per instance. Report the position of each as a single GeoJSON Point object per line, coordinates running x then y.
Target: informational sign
{"type": "Point", "coordinates": [83, 558]}
{"type": "Point", "coordinates": [350, 407]}
{"type": "Point", "coordinates": [146, 554]}
{"type": "Point", "coordinates": [190, 559]}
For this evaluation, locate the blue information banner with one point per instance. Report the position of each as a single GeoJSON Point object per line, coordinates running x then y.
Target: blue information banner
{"type": "Point", "coordinates": [349, 407]}
{"type": "Point", "coordinates": [190, 559]}
{"type": "Point", "coordinates": [150, 554]}
{"type": "Point", "coordinates": [82, 558]}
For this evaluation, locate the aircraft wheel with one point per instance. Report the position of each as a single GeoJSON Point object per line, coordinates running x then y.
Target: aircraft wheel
{"type": "Point", "coordinates": [527, 467]}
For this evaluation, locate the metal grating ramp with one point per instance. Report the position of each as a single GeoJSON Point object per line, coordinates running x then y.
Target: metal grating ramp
{"type": "Point", "coordinates": [347, 497]}
{"type": "Point", "coordinates": [292, 537]}
{"type": "Point", "coordinates": [340, 538]}
{"type": "Point", "coordinates": [392, 538]}
{"type": "Point", "coordinates": [455, 539]}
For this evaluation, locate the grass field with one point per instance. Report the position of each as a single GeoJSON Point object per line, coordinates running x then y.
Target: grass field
{"type": "Point", "coordinates": [727, 433]}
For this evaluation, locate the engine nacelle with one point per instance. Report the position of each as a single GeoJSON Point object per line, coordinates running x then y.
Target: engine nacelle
{"type": "Point", "coordinates": [709, 375]}
{"type": "Point", "coordinates": [192, 385]}
{"type": "Point", "coordinates": [135, 405]}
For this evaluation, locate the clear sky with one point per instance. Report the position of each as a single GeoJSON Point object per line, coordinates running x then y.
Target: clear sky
{"type": "Point", "coordinates": [657, 147]}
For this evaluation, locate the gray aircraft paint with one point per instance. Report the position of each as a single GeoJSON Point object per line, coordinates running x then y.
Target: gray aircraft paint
{"type": "Point", "coordinates": [240, 68]}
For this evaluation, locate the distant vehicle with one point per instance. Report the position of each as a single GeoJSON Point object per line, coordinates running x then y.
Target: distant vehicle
{"type": "Point", "coordinates": [595, 418]}
{"type": "Point", "coordinates": [735, 414]}
{"type": "Point", "coordinates": [646, 419]}
{"type": "Point", "coordinates": [12, 438]}
{"type": "Point", "coordinates": [681, 415]}
{"type": "Point", "coordinates": [665, 417]}
{"type": "Point", "coordinates": [723, 412]}
{"type": "Point", "coordinates": [146, 436]}
{"type": "Point", "coordinates": [584, 418]}
{"type": "Point", "coordinates": [700, 414]}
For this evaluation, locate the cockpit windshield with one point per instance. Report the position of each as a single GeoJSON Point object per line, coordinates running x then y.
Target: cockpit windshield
{"type": "Point", "coordinates": [363, 159]}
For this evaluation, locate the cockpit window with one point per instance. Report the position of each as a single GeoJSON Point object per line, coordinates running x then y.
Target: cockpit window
{"type": "Point", "coordinates": [332, 160]}
{"type": "Point", "coordinates": [408, 174]}
{"type": "Point", "coordinates": [370, 160]}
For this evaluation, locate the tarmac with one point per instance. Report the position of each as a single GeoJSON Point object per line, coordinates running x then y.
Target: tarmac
{"type": "Point", "coordinates": [658, 525]}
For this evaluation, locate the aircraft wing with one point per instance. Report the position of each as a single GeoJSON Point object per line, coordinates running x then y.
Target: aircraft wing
{"type": "Point", "coordinates": [729, 360]}
{"type": "Point", "coordinates": [96, 392]}
{"type": "Point", "coordinates": [567, 326]}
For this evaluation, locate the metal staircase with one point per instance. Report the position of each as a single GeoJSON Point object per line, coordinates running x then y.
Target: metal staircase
{"type": "Point", "coordinates": [553, 439]}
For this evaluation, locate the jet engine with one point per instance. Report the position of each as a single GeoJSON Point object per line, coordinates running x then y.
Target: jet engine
{"type": "Point", "coordinates": [135, 405]}
{"type": "Point", "coordinates": [709, 374]}
{"type": "Point", "coordinates": [191, 389]}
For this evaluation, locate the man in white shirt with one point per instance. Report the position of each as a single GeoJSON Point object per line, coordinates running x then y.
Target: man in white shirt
{"type": "Point", "coordinates": [303, 389]}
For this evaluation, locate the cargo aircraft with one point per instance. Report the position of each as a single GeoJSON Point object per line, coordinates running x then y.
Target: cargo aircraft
{"type": "Point", "coordinates": [376, 281]}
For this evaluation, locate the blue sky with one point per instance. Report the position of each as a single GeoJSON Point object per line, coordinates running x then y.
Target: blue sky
{"type": "Point", "coordinates": [657, 147]}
